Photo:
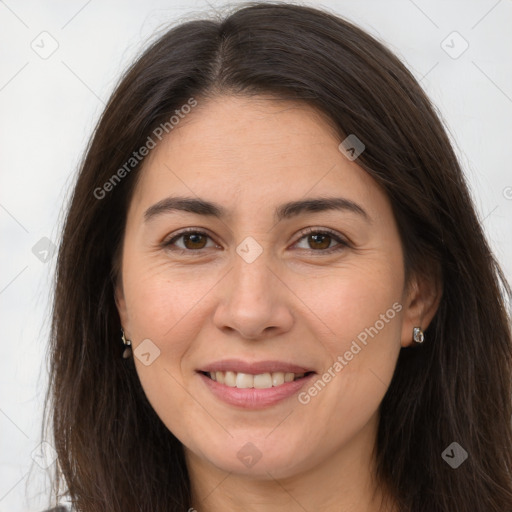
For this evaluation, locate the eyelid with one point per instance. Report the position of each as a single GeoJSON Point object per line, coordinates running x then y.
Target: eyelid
{"type": "Point", "coordinates": [175, 236]}
{"type": "Point", "coordinates": [338, 237]}
{"type": "Point", "coordinates": [306, 231]}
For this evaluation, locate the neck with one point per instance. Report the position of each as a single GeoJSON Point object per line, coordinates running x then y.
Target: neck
{"type": "Point", "coordinates": [340, 481]}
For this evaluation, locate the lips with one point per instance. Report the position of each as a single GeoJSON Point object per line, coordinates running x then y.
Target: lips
{"type": "Point", "coordinates": [254, 368]}
{"type": "Point", "coordinates": [259, 395]}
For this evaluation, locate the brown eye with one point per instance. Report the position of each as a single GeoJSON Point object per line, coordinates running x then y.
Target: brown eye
{"type": "Point", "coordinates": [194, 241]}
{"type": "Point", "coordinates": [320, 241]}
{"type": "Point", "coordinates": [191, 241]}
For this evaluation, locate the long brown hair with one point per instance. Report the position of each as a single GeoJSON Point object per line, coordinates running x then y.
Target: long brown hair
{"type": "Point", "coordinates": [114, 453]}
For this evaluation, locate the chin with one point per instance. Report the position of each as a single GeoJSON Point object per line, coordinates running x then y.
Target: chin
{"type": "Point", "coordinates": [266, 468]}
{"type": "Point", "coordinates": [258, 458]}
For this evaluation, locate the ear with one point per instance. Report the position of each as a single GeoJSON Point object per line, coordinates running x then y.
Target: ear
{"type": "Point", "coordinates": [121, 305]}
{"type": "Point", "coordinates": [422, 298]}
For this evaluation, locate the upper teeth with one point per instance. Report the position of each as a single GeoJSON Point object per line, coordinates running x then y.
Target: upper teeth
{"type": "Point", "coordinates": [260, 381]}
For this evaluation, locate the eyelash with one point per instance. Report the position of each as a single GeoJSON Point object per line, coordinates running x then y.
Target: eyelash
{"type": "Point", "coordinates": [342, 244]}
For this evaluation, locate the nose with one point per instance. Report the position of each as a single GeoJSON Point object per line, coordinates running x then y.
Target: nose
{"type": "Point", "coordinates": [253, 300]}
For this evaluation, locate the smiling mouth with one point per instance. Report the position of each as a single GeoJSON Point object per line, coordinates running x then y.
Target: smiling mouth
{"type": "Point", "coordinates": [261, 381]}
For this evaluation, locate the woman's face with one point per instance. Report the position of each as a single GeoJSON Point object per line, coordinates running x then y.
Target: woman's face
{"type": "Point", "coordinates": [263, 281]}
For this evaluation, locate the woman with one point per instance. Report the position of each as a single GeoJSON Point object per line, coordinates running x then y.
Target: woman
{"type": "Point", "coordinates": [273, 291]}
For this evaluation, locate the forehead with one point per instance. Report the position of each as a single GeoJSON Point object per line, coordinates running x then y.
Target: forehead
{"type": "Point", "coordinates": [251, 149]}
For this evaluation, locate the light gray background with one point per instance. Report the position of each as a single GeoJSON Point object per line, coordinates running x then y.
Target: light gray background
{"type": "Point", "coordinates": [50, 106]}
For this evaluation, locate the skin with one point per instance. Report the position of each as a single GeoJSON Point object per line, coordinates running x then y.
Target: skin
{"type": "Point", "coordinates": [293, 303]}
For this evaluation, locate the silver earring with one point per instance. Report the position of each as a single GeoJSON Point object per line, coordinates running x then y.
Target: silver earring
{"type": "Point", "coordinates": [417, 335]}
{"type": "Point", "coordinates": [127, 343]}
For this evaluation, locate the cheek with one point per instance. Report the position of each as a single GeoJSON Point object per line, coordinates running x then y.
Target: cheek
{"type": "Point", "coordinates": [162, 301]}
{"type": "Point", "coordinates": [352, 300]}
{"type": "Point", "coordinates": [358, 319]}
{"type": "Point", "coordinates": [164, 306]}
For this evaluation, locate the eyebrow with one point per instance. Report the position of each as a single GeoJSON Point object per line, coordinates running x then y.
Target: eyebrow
{"type": "Point", "coordinates": [284, 211]}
